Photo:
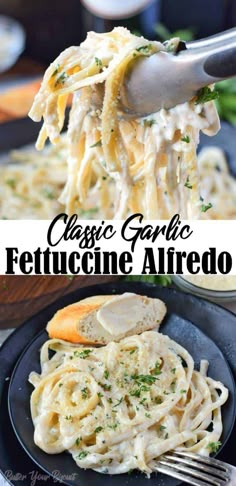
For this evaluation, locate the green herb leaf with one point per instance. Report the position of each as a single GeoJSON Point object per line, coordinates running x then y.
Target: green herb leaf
{"type": "Point", "coordinates": [157, 369]}
{"type": "Point", "coordinates": [149, 379]}
{"type": "Point", "coordinates": [82, 454]}
{"type": "Point", "coordinates": [113, 426]}
{"type": "Point", "coordinates": [214, 446]}
{"type": "Point", "coordinates": [148, 122]}
{"type": "Point", "coordinates": [98, 429]}
{"type": "Point", "coordinates": [61, 79]}
{"type": "Point", "coordinates": [105, 386]}
{"type": "Point", "coordinates": [98, 62]}
{"type": "Point", "coordinates": [84, 392]}
{"type": "Point", "coordinates": [96, 144]}
{"type": "Point", "coordinates": [187, 184]}
{"type": "Point", "coordinates": [118, 403]}
{"type": "Point", "coordinates": [106, 374]}
{"type": "Point", "coordinates": [186, 139]}
{"type": "Point", "coordinates": [78, 440]}
{"type": "Point", "coordinates": [56, 70]}
{"type": "Point", "coordinates": [144, 49]}
{"type": "Point", "coordinates": [206, 94]}
{"type": "Point", "coordinates": [205, 207]}
{"type": "Point", "coordinates": [82, 354]}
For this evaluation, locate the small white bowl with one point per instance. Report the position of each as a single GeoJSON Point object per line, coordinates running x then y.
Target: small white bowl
{"type": "Point", "coordinates": [220, 296]}
{"type": "Point", "coordinates": [12, 42]}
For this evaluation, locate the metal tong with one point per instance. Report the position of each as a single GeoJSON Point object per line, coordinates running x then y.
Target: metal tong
{"type": "Point", "coordinates": [165, 80]}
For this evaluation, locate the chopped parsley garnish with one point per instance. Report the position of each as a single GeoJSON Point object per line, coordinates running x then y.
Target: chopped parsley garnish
{"type": "Point", "coordinates": [144, 49]}
{"type": "Point", "coordinates": [148, 415]}
{"type": "Point", "coordinates": [113, 426]}
{"type": "Point", "coordinates": [149, 379]}
{"type": "Point", "coordinates": [214, 446]}
{"type": "Point", "coordinates": [104, 386]}
{"type": "Point", "coordinates": [142, 401]}
{"type": "Point", "coordinates": [82, 354]}
{"type": "Point", "coordinates": [157, 369]}
{"type": "Point", "coordinates": [148, 122]}
{"type": "Point", "coordinates": [110, 400]}
{"type": "Point", "coordinates": [206, 94]}
{"type": "Point", "coordinates": [78, 440]}
{"type": "Point", "coordinates": [84, 392]}
{"type": "Point", "coordinates": [68, 417]}
{"type": "Point", "coordinates": [61, 79]}
{"type": "Point", "coordinates": [186, 139]}
{"type": "Point", "coordinates": [98, 62]}
{"type": "Point", "coordinates": [173, 370]}
{"type": "Point", "coordinates": [187, 184]}
{"type": "Point", "coordinates": [133, 351]}
{"type": "Point", "coordinates": [98, 429]}
{"type": "Point", "coordinates": [183, 391]}
{"type": "Point", "coordinates": [162, 427]}
{"type": "Point", "coordinates": [82, 454]}
{"type": "Point", "coordinates": [100, 395]}
{"type": "Point", "coordinates": [106, 374]}
{"type": "Point", "coordinates": [56, 71]}
{"type": "Point", "coordinates": [60, 384]}
{"type": "Point", "coordinates": [118, 402]}
{"type": "Point", "coordinates": [137, 392]}
{"type": "Point", "coordinates": [96, 144]}
{"type": "Point", "coordinates": [205, 207]}
{"type": "Point", "coordinates": [172, 385]}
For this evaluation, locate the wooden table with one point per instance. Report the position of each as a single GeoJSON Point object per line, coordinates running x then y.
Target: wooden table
{"type": "Point", "coordinates": [23, 296]}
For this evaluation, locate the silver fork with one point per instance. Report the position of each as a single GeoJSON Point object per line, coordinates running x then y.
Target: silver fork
{"type": "Point", "coordinates": [197, 470]}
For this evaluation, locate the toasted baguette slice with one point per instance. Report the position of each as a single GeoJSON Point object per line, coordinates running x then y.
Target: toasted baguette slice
{"type": "Point", "coordinates": [88, 321]}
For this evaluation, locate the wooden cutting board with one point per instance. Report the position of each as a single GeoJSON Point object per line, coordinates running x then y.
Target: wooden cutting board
{"type": "Point", "coordinates": [23, 296]}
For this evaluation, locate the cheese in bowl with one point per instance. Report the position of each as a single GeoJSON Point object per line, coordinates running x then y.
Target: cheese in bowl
{"type": "Point", "coordinates": [218, 288]}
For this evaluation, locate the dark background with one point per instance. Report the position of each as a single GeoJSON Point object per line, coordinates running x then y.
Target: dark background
{"type": "Point", "coordinates": [52, 25]}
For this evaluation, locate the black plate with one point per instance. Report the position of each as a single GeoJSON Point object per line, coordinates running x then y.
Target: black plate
{"type": "Point", "coordinates": [218, 323]}
{"type": "Point", "coordinates": [17, 133]}
{"type": "Point", "coordinates": [177, 328]}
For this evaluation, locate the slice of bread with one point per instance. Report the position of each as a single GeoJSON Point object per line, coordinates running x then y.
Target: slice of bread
{"type": "Point", "coordinates": [87, 321]}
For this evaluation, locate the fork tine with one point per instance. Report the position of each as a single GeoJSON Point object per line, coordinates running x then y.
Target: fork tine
{"type": "Point", "coordinates": [193, 472]}
{"type": "Point", "coordinates": [204, 459]}
{"type": "Point", "coordinates": [178, 475]}
{"type": "Point", "coordinates": [199, 466]}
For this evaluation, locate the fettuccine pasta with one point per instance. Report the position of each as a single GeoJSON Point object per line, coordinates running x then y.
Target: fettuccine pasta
{"type": "Point", "coordinates": [31, 184]}
{"type": "Point", "coordinates": [141, 165]}
{"type": "Point", "coordinates": [121, 406]}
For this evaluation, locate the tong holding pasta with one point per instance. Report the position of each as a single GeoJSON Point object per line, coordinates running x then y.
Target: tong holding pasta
{"type": "Point", "coordinates": [165, 79]}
